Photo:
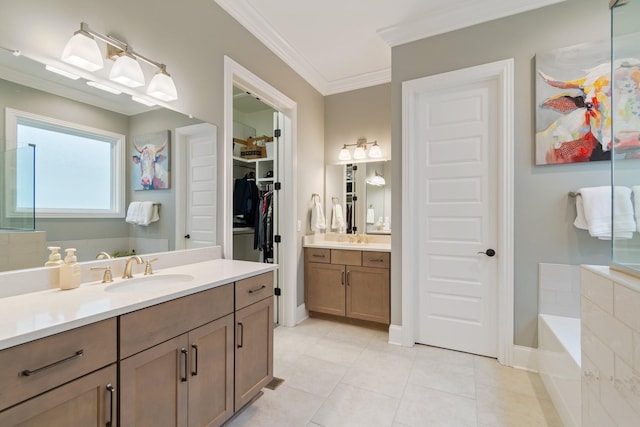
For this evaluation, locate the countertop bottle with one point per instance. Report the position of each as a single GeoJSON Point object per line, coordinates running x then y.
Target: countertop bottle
{"type": "Point", "coordinates": [70, 271]}
{"type": "Point", "coordinates": [55, 260]}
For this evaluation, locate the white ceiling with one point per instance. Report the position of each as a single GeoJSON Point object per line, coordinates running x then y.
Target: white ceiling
{"type": "Point", "coordinates": [341, 45]}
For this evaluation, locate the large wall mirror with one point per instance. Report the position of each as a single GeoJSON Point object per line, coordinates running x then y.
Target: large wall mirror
{"type": "Point", "coordinates": [26, 86]}
{"type": "Point", "coordinates": [364, 192]}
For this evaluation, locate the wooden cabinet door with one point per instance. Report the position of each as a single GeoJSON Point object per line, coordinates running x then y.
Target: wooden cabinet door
{"type": "Point", "coordinates": [368, 294]}
{"type": "Point", "coordinates": [253, 350]}
{"type": "Point", "coordinates": [87, 401]}
{"type": "Point", "coordinates": [211, 373]}
{"type": "Point", "coordinates": [154, 385]}
{"type": "Point", "coordinates": [325, 285]}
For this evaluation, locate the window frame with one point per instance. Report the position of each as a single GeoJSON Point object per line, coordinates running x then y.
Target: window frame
{"type": "Point", "coordinates": [118, 176]}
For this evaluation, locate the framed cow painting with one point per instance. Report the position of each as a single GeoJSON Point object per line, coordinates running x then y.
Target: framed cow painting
{"type": "Point", "coordinates": [150, 161]}
{"type": "Point", "coordinates": [574, 104]}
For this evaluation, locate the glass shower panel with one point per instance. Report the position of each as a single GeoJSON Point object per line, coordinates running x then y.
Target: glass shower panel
{"type": "Point", "coordinates": [625, 127]}
{"type": "Point", "coordinates": [17, 210]}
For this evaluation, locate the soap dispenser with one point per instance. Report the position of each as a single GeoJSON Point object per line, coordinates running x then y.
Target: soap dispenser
{"type": "Point", "coordinates": [70, 271]}
{"type": "Point", "coordinates": [55, 260]}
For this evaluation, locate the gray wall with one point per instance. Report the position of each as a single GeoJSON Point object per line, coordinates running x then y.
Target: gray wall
{"type": "Point", "coordinates": [191, 37]}
{"type": "Point", "coordinates": [543, 212]}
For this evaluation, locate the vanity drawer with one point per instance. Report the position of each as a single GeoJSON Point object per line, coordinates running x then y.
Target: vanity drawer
{"type": "Point", "coordinates": [375, 259]}
{"type": "Point", "coordinates": [317, 255]}
{"type": "Point", "coordinates": [37, 366]}
{"type": "Point", "coordinates": [145, 328]}
{"type": "Point", "coordinates": [253, 289]}
{"type": "Point", "coordinates": [345, 257]}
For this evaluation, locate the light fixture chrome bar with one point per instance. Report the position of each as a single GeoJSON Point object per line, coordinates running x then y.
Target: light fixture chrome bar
{"type": "Point", "coordinates": [84, 27]}
{"type": "Point", "coordinates": [617, 3]}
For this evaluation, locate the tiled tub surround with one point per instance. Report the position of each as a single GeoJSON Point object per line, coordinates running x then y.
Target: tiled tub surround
{"type": "Point", "coordinates": [559, 364]}
{"type": "Point", "coordinates": [559, 337]}
{"type": "Point", "coordinates": [610, 348]}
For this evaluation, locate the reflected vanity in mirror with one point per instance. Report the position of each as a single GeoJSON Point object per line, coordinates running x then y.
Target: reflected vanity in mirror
{"type": "Point", "coordinates": [364, 192]}
{"type": "Point", "coordinates": [26, 86]}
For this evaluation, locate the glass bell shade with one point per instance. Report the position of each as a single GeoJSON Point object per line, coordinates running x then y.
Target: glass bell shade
{"type": "Point", "coordinates": [162, 87]}
{"type": "Point", "coordinates": [375, 152]}
{"type": "Point", "coordinates": [83, 52]}
{"type": "Point", "coordinates": [127, 71]}
{"type": "Point", "coordinates": [344, 154]}
{"type": "Point", "coordinates": [359, 153]}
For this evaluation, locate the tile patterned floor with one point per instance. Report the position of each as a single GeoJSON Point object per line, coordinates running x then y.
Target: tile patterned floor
{"type": "Point", "coordinates": [339, 375]}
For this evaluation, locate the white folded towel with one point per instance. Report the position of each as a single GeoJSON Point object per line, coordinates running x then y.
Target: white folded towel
{"type": "Point", "coordinates": [371, 216]}
{"type": "Point", "coordinates": [142, 213]}
{"type": "Point", "coordinates": [318, 221]}
{"type": "Point", "coordinates": [593, 209]}
{"type": "Point", "coordinates": [133, 212]}
{"type": "Point", "coordinates": [337, 218]}
{"type": "Point", "coordinates": [636, 205]}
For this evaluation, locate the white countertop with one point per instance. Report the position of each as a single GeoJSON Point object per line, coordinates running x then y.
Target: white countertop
{"type": "Point", "coordinates": [39, 314]}
{"type": "Point", "coordinates": [378, 243]}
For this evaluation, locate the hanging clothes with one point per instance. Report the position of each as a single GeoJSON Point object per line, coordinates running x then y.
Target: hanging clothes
{"type": "Point", "coordinates": [263, 235]}
{"type": "Point", "coordinates": [245, 200]}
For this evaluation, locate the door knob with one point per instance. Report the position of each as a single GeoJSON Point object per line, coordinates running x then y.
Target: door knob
{"type": "Point", "coordinates": [488, 252]}
{"type": "Point", "coordinates": [188, 236]}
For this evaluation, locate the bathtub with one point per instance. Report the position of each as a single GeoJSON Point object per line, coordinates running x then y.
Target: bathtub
{"type": "Point", "coordinates": [559, 364]}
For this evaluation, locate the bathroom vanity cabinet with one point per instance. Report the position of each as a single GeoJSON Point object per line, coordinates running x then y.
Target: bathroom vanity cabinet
{"type": "Point", "coordinates": [348, 283]}
{"type": "Point", "coordinates": [32, 372]}
{"type": "Point", "coordinates": [177, 361]}
{"type": "Point", "coordinates": [189, 361]}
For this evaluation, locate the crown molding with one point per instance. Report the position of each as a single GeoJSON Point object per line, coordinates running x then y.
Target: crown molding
{"type": "Point", "coordinates": [253, 22]}
{"type": "Point", "coordinates": [358, 82]}
{"type": "Point", "coordinates": [443, 21]}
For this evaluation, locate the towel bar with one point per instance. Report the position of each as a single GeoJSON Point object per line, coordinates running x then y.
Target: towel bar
{"type": "Point", "coordinates": [574, 193]}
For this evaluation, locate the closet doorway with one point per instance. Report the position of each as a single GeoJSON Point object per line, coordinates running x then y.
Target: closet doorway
{"type": "Point", "coordinates": [255, 176]}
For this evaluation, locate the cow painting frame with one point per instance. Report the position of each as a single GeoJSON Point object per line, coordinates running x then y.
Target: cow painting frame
{"type": "Point", "coordinates": [151, 158]}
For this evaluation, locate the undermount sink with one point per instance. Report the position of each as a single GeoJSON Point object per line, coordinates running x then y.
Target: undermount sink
{"type": "Point", "coordinates": [146, 283]}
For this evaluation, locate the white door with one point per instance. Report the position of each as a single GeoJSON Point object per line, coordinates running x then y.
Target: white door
{"type": "Point", "coordinates": [200, 192]}
{"type": "Point", "coordinates": [456, 216]}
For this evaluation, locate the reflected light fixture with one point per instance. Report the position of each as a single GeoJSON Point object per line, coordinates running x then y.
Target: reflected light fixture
{"type": "Point", "coordinates": [83, 51]}
{"type": "Point", "coordinates": [376, 180]}
{"type": "Point", "coordinates": [104, 87]}
{"type": "Point", "coordinates": [143, 101]}
{"type": "Point", "coordinates": [360, 152]}
{"type": "Point", "coordinates": [62, 72]}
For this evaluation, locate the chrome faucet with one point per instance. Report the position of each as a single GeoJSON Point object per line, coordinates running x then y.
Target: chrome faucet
{"type": "Point", "coordinates": [127, 266]}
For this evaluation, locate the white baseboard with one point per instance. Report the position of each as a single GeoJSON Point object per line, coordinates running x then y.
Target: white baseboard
{"type": "Point", "coordinates": [525, 358]}
{"type": "Point", "coordinates": [301, 313]}
{"type": "Point", "coordinates": [395, 334]}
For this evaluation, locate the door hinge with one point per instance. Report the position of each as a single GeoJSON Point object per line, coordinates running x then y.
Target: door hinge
{"type": "Point", "coordinates": [277, 238]}
{"type": "Point", "coordinates": [277, 292]}
{"type": "Point", "coordinates": [277, 186]}
{"type": "Point", "coordinates": [277, 133]}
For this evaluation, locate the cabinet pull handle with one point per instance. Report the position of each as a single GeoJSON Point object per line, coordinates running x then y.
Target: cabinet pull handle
{"type": "Point", "coordinates": [348, 278]}
{"type": "Point", "coordinates": [194, 371]}
{"type": "Point", "coordinates": [258, 289]}
{"type": "Point", "coordinates": [111, 391]}
{"type": "Point", "coordinates": [27, 372]}
{"type": "Point", "coordinates": [185, 355]}
{"type": "Point", "coordinates": [317, 256]}
{"type": "Point", "coordinates": [241, 340]}
{"type": "Point", "coordinates": [342, 281]}
{"type": "Point", "coordinates": [375, 260]}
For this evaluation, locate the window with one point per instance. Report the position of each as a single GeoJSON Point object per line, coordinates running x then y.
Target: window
{"type": "Point", "coordinates": [79, 171]}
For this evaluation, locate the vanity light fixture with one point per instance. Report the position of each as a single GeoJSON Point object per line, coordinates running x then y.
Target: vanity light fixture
{"type": "Point", "coordinates": [376, 180]}
{"type": "Point", "coordinates": [83, 51]}
{"type": "Point", "coordinates": [360, 152]}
